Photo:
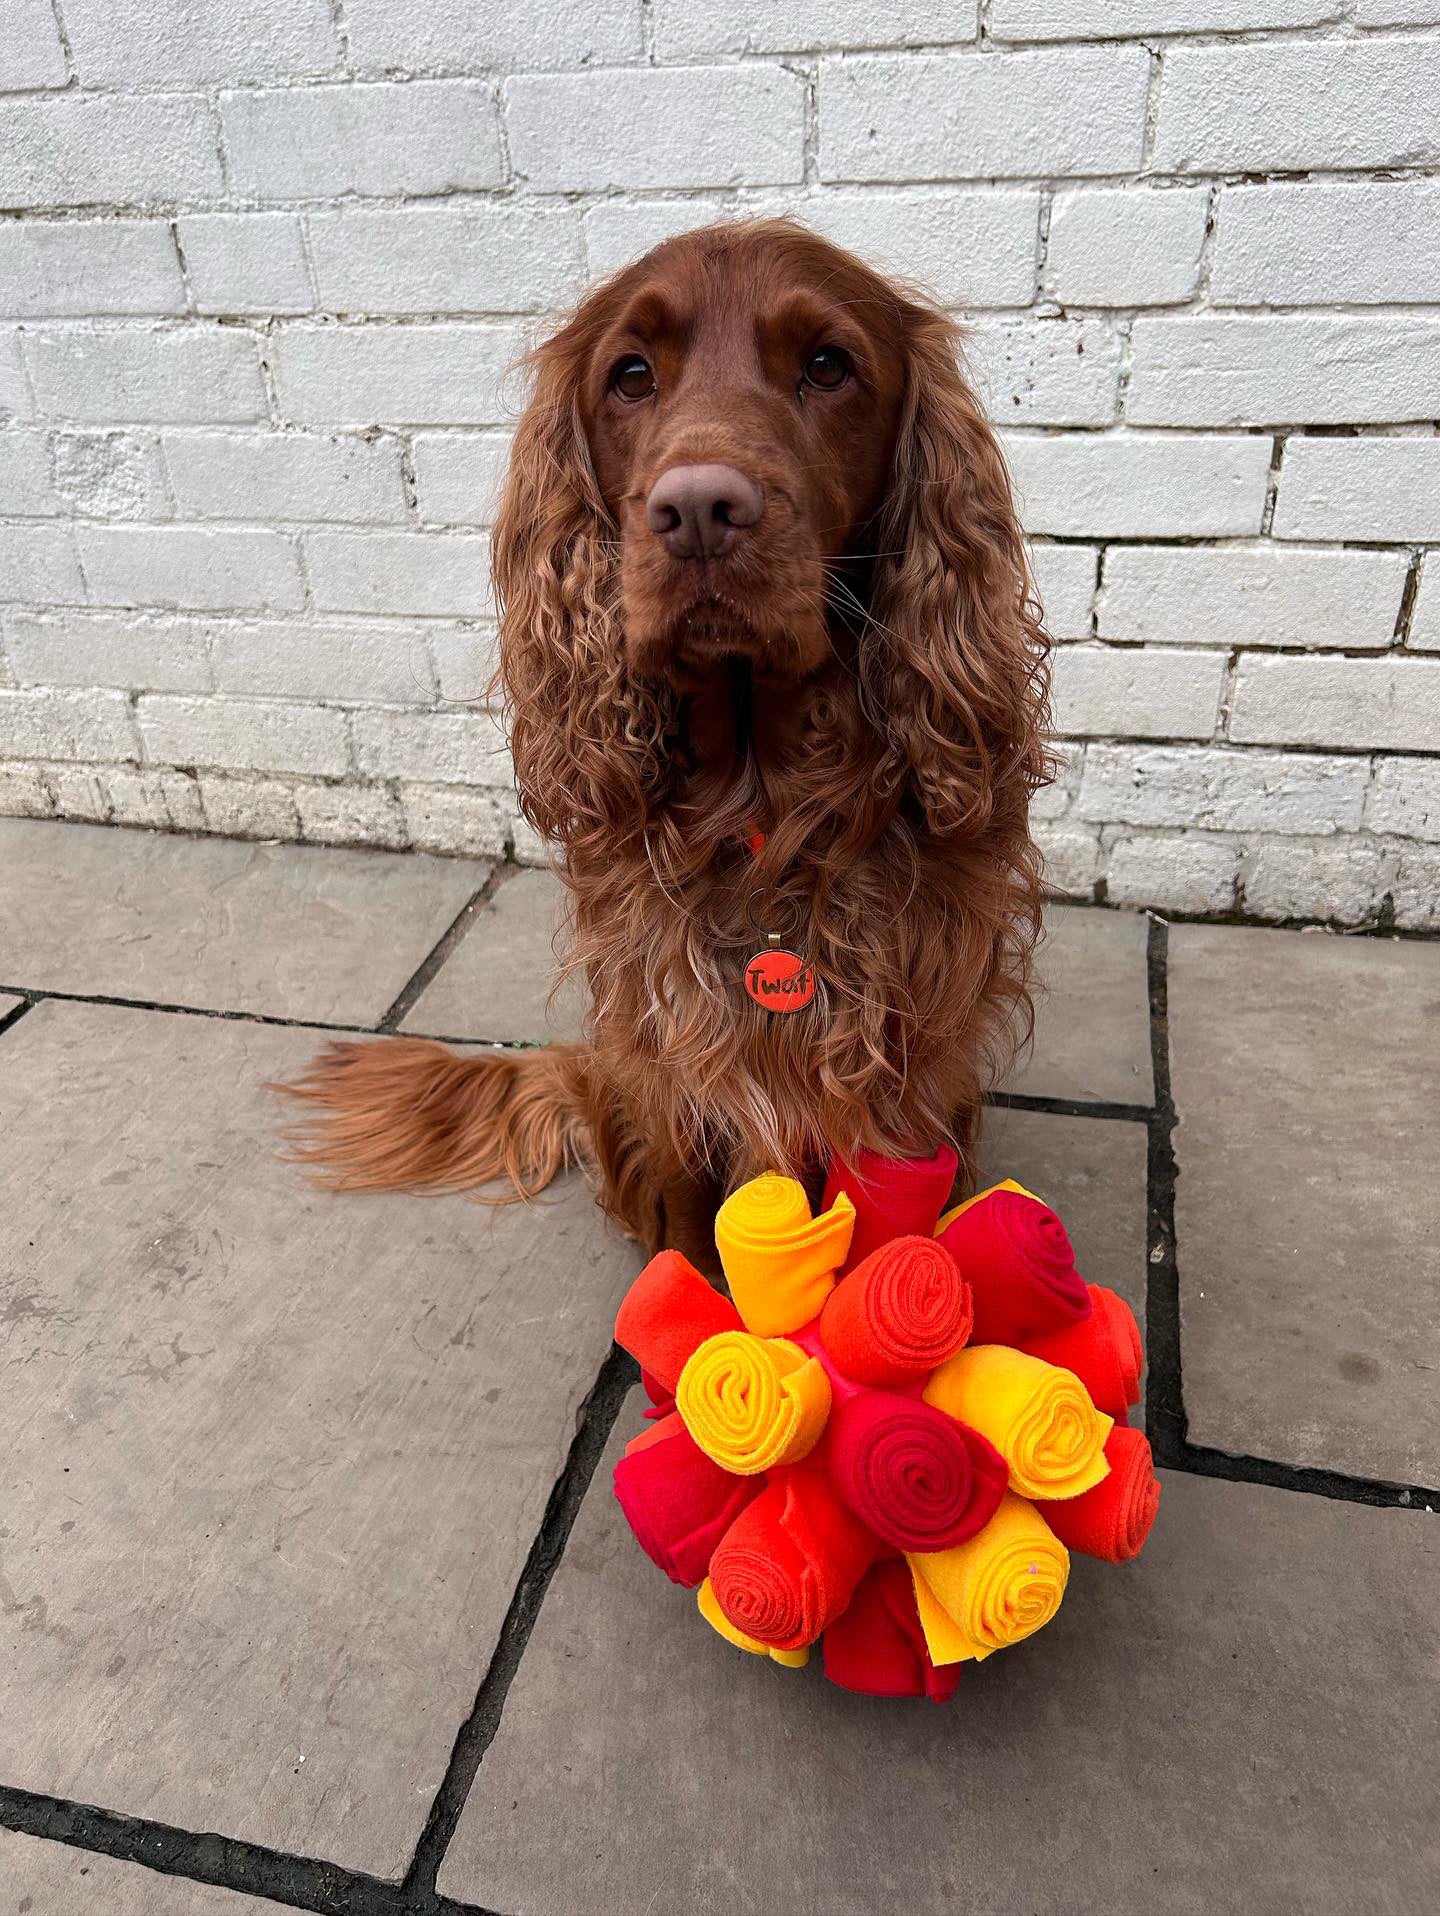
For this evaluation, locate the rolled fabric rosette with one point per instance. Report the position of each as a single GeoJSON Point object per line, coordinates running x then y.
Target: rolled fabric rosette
{"type": "Point", "coordinates": [876, 1646]}
{"type": "Point", "coordinates": [919, 1479]}
{"type": "Point", "coordinates": [780, 1262]}
{"type": "Point", "coordinates": [1014, 1254]}
{"type": "Point", "coordinates": [996, 1590]}
{"type": "Point", "coordinates": [1113, 1520]}
{"type": "Point", "coordinates": [1037, 1416]}
{"type": "Point", "coordinates": [751, 1403]}
{"type": "Point", "coordinates": [897, 1314]}
{"type": "Point", "coordinates": [1104, 1352]}
{"type": "Point", "coordinates": [678, 1501]}
{"type": "Point", "coordinates": [665, 1317]}
{"type": "Point", "coordinates": [721, 1624]}
{"type": "Point", "coordinates": [790, 1562]}
{"type": "Point", "coordinates": [893, 1197]}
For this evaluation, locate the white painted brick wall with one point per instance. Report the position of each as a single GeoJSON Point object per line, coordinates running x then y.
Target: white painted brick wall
{"type": "Point", "coordinates": [1141, 485]}
{"type": "Point", "coordinates": [1162, 694]}
{"type": "Point", "coordinates": [656, 126]}
{"type": "Point", "coordinates": [1360, 489]}
{"type": "Point", "coordinates": [246, 263]}
{"type": "Point", "coordinates": [968, 116]}
{"type": "Point", "coordinates": [1291, 105]}
{"type": "Point", "coordinates": [107, 149]}
{"type": "Point", "coordinates": [317, 143]}
{"type": "Point", "coordinates": [1312, 596]}
{"type": "Point", "coordinates": [31, 51]}
{"type": "Point", "coordinates": [1125, 245]}
{"type": "Point", "coordinates": [1360, 244]}
{"type": "Point", "coordinates": [266, 270]}
{"type": "Point", "coordinates": [254, 567]}
{"type": "Point", "coordinates": [89, 266]}
{"type": "Point", "coordinates": [180, 375]}
{"type": "Point", "coordinates": [1425, 621]}
{"type": "Point", "coordinates": [1223, 791]}
{"type": "Point", "coordinates": [1290, 369]}
{"type": "Point", "coordinates": [1325, 701]}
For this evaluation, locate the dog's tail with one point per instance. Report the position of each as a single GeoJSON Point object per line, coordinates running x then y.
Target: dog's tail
{"type": "Point", "coordinates": [408, 1114]}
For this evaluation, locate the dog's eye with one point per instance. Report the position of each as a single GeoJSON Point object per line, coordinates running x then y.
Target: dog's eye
{"type": "Point", "coordinates": [827, 369]}
{"type": "Point", "coordinates": [632, 378]}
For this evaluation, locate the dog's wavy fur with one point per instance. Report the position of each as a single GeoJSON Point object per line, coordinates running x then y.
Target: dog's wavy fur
{"type": "Point", "coordinates": [897, 854]}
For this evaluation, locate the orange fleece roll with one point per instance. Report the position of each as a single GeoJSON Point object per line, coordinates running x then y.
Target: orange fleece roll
{"type": "Point", "coordinates": [1113, 1520]}
{"type": "Point", "coordinates": [667, 1314]}
{"type": "Point", "coordinates": [901, 1311]}
{"type": "Point", "coordinates": [790, 1562]}
{"type": "Point", "coordinates": [1104, 1352]}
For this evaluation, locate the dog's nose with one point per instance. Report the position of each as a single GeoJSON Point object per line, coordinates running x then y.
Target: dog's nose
{"type": "Point", "coordinates": [697, 510]}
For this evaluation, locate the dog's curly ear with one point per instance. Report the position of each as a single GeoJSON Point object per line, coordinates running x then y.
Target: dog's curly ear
{"type": "Point", "coordinates": [586, 738]}
{"type": "Point", "coordinates": [954, 656]}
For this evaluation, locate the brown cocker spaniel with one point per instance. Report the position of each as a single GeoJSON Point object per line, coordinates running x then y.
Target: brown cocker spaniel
{"type": "Point", "coordinates": [773, 667]}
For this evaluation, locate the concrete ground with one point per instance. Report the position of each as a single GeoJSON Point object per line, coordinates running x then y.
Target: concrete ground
{"type": "Point", "coordinates": [312, 1590]}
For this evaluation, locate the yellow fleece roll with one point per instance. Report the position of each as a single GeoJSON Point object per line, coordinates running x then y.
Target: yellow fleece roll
{"type": "Point", "coordinates": [995, 1590]}
{"type": "Point", "coordinates": [780, 1262]}
{"type": "Point", "coordinates": [753, 1402]}
{"type": "Point", "coordinates": [717, 1619]}
{"type": "Point", "coordinates": [1038, 1416]}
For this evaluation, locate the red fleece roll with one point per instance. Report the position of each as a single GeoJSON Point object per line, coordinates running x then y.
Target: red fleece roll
{"type": "Point", "coordinates": [877, 1646]}
{"type": "Point", "coordinates": [678, 1503]}
{"type": "Point", "coordinates": [667, 1314]}
{"type": "Point", "coordinates": [920, 1479]}
{"type": "Point", "coordinates": [789, 1563]}
{"type": "Point", "coordinates": [1013, 1253]}
{"type": "Point", "coordinates": [893, 1197]}
{"type": "Point", "coordinates": [898, 1314]}
{"type": "Point", "coordinates": [1104, 1352]}
{"type": "Point", "coordinates": [1113, 1520]}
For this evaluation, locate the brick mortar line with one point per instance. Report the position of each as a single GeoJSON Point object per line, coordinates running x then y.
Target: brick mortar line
{"type": "Point", "coordinates": [735, 199]}
{"type": "Point", "coordinates": [976, 316]}
{"type": "Point", "coordinates": [1333, 32]}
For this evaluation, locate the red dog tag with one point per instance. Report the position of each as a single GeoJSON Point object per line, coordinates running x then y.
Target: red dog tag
{"type": "Point", "coordinates": [779, 980]}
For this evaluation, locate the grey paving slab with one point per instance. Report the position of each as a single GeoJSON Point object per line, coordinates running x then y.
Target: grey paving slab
{"type": "Point", "coordinates": [270, 1459]}
{"type": "Point", "coordinates": [290, 931]}
{"type": "Point", "coordinates": [52, 1879]}
{"type": "Point", "coordinates": [1306, 1075]}
{"type": "Point", "coordinates": [1092, 1009]}
{"type": "Point", "coordinates": [8, 1002]}
{"type": "Point", "coordinates": [1245, 1718]}
{"type": "Point", "coordinates": [496, 982]}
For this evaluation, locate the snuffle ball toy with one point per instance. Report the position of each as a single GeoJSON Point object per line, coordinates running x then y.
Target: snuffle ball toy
{"type": "Point", "coordinates": [891, 1435]}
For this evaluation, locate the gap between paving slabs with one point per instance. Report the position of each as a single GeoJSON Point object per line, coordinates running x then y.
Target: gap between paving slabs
{"type": "Point", "coordinates": [312, 1884]}
{"type": "Point", "coordinates": [387, 1026]}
